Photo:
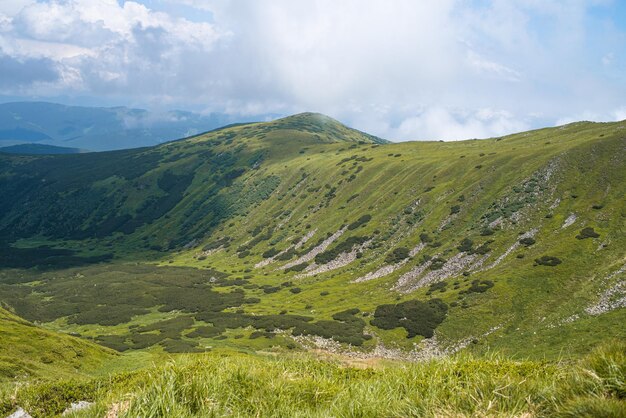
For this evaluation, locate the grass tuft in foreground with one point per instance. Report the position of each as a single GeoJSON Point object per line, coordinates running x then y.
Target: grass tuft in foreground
{"type": "Point", "coordinates": [246, 385]}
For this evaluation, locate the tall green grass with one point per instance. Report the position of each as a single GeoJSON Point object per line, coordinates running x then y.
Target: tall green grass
{"type": "Point", "coordinates": [212, 385]}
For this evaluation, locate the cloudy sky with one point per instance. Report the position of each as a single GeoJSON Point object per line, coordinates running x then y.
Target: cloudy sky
{"type": "Point", "coordinates": [401, 69]}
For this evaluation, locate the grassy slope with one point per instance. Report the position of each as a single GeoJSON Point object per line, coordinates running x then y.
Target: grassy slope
{"type": "Point", "coordinates": [307, 173]}
{"type": "Point", "coordinates": [28, 351]}
{"type": "Point", "coordinates": [302, 386]}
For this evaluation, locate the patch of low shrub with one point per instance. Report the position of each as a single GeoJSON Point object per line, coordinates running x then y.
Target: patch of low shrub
{"type": "Point", "coordinates": [466, 245]}
{"type": "Point", "coordinates": [437, 263]}
{"type": "Point", "coordinates": [180, 346]}
{"type": "Point", "coordinates": [548, 260]}
{"type": "Point", "coordinates": [361, 221]}
{"type": "Point", "coordinates": [397, 255]}
{"type": "Point", "coordinates": [587, 232]}
{"type": "Point", "coordinates": [297, 267]}
{"type": "Point", "coordinates": [206, 332]}
{"type": "Point", "coordinates": [270, 253]}
{"type": "Point", "coordinates": [528, 241]}
{"type": "Point", "coordinates": [415, 316]}
{"type": "Point", "coordinates": [479, 286]}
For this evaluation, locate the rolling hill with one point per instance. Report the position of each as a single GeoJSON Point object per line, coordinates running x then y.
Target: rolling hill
{"type": "Point", "coordinates": [346, 241]}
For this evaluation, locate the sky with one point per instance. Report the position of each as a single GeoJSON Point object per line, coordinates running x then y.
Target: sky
{"type": "Point", "coordinates": [399, 69]}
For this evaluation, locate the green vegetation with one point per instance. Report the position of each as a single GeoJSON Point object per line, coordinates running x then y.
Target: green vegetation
{"type": "Point", "coordinates": [587, 233]}
{"type": "Point", "coordinates": [548, 260]}
{"type": "Point", "coordinates": [28, 351]}
{"type": "Point", "coordinates": [416, 317]}
{"type": "Point", "coordinates": [200, 245]}
{"type": "Point", "coordinates": [243, 385]}
{"type": "Point", "coordinates": [397, 255]}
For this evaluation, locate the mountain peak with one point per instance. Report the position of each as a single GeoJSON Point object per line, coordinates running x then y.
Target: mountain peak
{"type": "Point", "coordinates": [331, 129]}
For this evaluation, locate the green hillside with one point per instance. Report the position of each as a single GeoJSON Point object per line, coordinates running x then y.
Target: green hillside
{"type": "Point", "coordinates": [302, 233]}
{"type": "Point", "coordinates": [28, 351]}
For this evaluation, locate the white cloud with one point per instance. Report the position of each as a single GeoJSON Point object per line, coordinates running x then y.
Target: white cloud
{"type": "Point", "coordinates": [403, 69]}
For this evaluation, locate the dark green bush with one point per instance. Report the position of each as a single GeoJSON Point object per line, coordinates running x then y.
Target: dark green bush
{"type": "Point", "coordinates": [295, 290]}
{"type": "Point", "coordinates": [587, 232]}
{"type": "Point", "coordinates": [206, 332]}
{"type": "Point", "coordinates": [361, 221]}
{"type": "Point", "coordinates": [397, 255]}
{"type": "Point", "coordinates": [486, 231]}
{"type": "Point", "coordinates": [180, 346]}
{"type": "Point", "coordinates": [455, 209]}
{"type": "Point", "coordinates": [466, 245]}
{"type": "Point", "coordinates": [480, 286]}
{"type": "Point", "coordinates": [440, 286]}
{"type": "Point", "coordinates": [116, 342]}
{"type": "Point", "coordinates": [437, 263]}
{"type": "Point", "coordinates": [298, 267]}
{"type": "Point", "coordinates": [528, 241]}
{"type": "Point", "coordinates": [417, 317]}
{"type": "Point", "coordinates": [548, 260]}
{"type": "Point", "coordinates": [270, 253]}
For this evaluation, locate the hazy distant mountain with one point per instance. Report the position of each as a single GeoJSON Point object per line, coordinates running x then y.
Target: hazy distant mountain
{"type": "Point", "coordinates": [99, 128]}
{"type": "Point", "coordinates": [34, 149]}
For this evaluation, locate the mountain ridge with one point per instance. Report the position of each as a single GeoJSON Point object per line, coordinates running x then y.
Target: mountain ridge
{"type": "Point", "coordinates": [510, 242]}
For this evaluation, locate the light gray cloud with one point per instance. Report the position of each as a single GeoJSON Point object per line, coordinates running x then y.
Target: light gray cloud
{"type": "Point", "coordinates": [403, 69]}
{"type": "Point", "coordinates": [20, 73]}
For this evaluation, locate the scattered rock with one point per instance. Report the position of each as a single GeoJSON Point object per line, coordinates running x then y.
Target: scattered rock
{"type": "Point", "coordinates": [612, 298]}
{"type": "Point", "coordinates": [77, 406]}
{"type": "Point", "coordinates": [300, 243]}
{"type": "Point", "coordinates": [20, 413]}
{"type": "Point", "coordinates": [569, 221]}
{"type": "Point", "coordinates": [454, 266]}
{"type": "Point", "coordinates": [529, 234]}
{"type": "Point", "coordinates": [341, 260]}
{"type": "Point", "coordinates": [390, 268]}
{"type": "Point", "coordinates": [317, 250]}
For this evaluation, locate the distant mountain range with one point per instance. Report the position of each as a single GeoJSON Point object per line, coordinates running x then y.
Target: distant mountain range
{"type": "Point", "coordinates": [100, 128]}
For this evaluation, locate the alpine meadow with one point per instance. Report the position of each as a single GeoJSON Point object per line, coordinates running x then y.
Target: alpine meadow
{"type": "Point", "coordinates": [374, 262]}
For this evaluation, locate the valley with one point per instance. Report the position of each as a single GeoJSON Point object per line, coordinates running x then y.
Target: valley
{"type": "Point", "coordinates": [302, 235]}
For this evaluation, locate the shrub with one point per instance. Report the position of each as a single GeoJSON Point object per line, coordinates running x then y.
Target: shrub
{"type": "Point", "coordinates": [587, 232]}
{"type": "Point", "coordinates": [440, 286]}
{"type": "Point", "coordinates": [528, 241]}
{"type": "Point", "coordinates": [425, 238]}
{"type": "Point", "coordinates": [297, 267]}
{"type": "Point", "coordinates": [324, 293]}
{"type": "Point", "coordinates": [287, 255]}
{"type": "Point", "coordinates": [206, 332]}
{"type": "Point", "coordinates": [486, 231]}
{"type": "Point", "coordinates": [466, 245]}
{"type": "Point", "coordinates": [270, 253]}
{"type": "Point", "coordinates": [295, 290]}
{"type": "Point", "coordinates": [548, 260]}
{"type": "Point", "coordinates": [397, 255]}
{"type": "Point", "coordinates": [437, 263]}
{"type": "Point", "coordinates": [455, 209]}
{"type": "Point", "coordinates": [361, 221]}
{"type": "Point", "coordinates": [416, 317]}
{"type": "Point", "coordinates": [480, 286]}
